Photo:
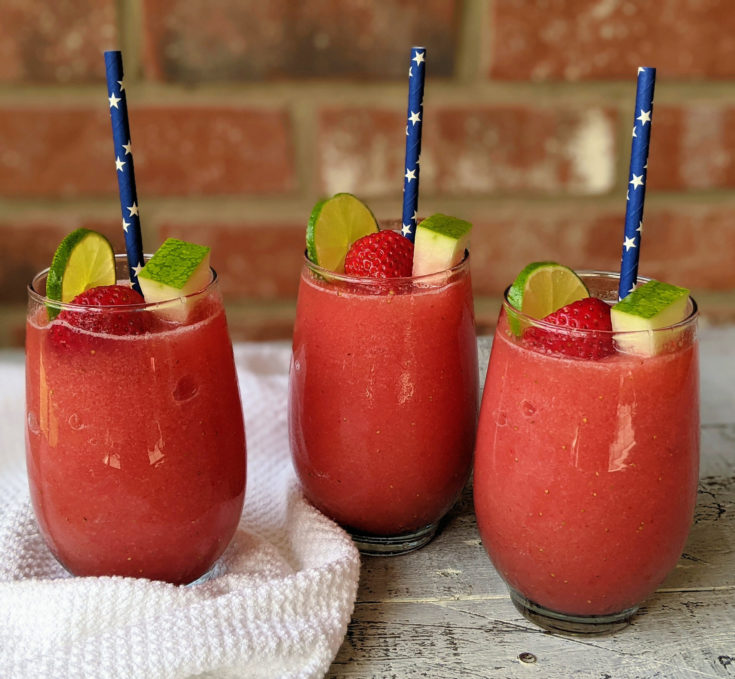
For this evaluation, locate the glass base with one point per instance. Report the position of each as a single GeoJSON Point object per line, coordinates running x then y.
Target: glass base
{"type": "Point", "coordinates": [571, 625]}
{"type": "Point", "coordinates": [217, 569]}
{"type": "Point", "coordinates": [213, 572]}
{"type": "Point", "coordinates": [393, 545]}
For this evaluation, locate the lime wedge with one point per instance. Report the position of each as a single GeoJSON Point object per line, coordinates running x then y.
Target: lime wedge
{"type": "Point", "coordinates": [440, 243]}
{"type": "Point", "coordinates": [176, 270]}
{"type": "Point", "coordinates": [541, 288]}
{"type": "Point", "coordinates": [83, 260]}
{"type": "Point", "coordinates": [335, 223]}
{"type": "Point", "coordinates": [651, 306]}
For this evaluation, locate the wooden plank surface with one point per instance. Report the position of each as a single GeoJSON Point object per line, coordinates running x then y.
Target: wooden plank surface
{"type": "Point", "coordinates": [444, 612]}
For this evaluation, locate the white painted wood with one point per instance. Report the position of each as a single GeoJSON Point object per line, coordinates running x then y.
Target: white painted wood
{"type": "Point", "coordinates": [444, 612]}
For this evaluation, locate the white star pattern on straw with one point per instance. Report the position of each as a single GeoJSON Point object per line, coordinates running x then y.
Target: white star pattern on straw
{"type": "Point", "coordinates": [123, 155]}
{"type": "Point", "coordinates": [633, 231]}
{"type": "Point", "coordinates": [415, 216]}
{"type": "Point", "coordinates": [636, 181]}
{"type": "Point", "coordinates": [414, 121]}
{"type": "Point", "coordinates": [644, 117]}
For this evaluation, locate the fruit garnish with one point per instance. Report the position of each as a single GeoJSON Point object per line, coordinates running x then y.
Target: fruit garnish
{"type": "Point", "coordinates": [540, 289]}
{"type": "Point", "coordinates": [385, 254]}
{"type": "Point", "coordinates": [439, 244]}
{"type": "Point", "coordinates": [99, 319]}
{"type": "Point", "coordinates": [334, 225]}
{"type": "Point", "coordinates": [84, 259]}
{"type": "Point", "coordinates": [584, 331]}
{"type": "Point", "coordinates": [176, 270]}
{"type": "Point", "coordinates": [651, 306]}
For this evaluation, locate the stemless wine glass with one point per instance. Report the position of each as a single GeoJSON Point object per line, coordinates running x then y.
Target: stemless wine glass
{"type": "Point", "coordinates": [383, 401]}
{"type": "Point", "coordinates": [135, 443]}
{"type": "Point", "coordinates": [586, 470]}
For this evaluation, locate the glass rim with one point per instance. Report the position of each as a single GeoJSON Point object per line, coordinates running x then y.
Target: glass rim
{"type": "Point", "coordinates": [37, 297]}
{"type": "Point", "coordinates": [690, 318]}
{"type": "Point", "coordinates": [330, 275]}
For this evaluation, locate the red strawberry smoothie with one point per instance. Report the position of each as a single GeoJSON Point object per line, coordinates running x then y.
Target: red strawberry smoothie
{"type": "Point", "coordinates": [383, 397]}
{"type": "Point", "coordinates": [135, 444]}
{"type": "Point", "coordinates": [586, 471]}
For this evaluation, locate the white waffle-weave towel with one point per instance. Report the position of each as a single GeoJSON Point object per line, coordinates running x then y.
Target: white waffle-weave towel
{"type": "Point", "coordinates": [278, 604]}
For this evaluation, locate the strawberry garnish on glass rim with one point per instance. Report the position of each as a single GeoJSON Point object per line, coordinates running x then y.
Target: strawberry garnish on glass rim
{"type": "Point", "coordinates": [584, 331]}
{"type": "Point", "coordinates": [99, 319]}
{"type": "Point", "coordinates": [384, 254]}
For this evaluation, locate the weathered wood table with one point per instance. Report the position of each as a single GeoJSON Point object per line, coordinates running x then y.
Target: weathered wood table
{"type": "Point", "coordinates": [443, 611]}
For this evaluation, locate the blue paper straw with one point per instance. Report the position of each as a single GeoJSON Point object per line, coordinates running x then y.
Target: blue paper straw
{"type": "Point", "coordinates": [124, 165]}
{"type": "Point", "coordinates": [416, 73]}
{"type": "Point", "coordinates": [637, 180]}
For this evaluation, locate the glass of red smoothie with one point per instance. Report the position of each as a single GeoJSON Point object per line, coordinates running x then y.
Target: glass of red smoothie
{"type": "Point", "coordinates": [135, 443]}
{"type": "Point", "coordinates": [383, 400]}
{"type": "Point", "coordinates": [586, 471]}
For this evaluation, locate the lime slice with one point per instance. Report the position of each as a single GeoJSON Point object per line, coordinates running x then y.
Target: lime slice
{"type": "Point", "coordinates": [541, 288]}
{"type": "Point", "coordinates": [83, 260]}
{"type": "Point", "coordinates": [335, 224]}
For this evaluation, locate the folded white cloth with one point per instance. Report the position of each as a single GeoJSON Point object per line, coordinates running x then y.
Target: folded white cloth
{"type": "Point", "coordinates": [277, 605]}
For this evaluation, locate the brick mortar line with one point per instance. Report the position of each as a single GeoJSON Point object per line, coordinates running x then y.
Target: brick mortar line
{"type": "Point", "coordinates": [321, 93]}
{"type": "Point", "coordinates": [279, 208]}
{"type": "Point", "coordinates": [472, 56]}
{"type": "Point", "coordinates": [130, 24]}
{"type": "Point", "coordinates": [304, 133]}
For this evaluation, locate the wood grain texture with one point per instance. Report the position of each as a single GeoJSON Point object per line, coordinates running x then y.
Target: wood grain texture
{"type": "Point", "coordinates": [444, 612]}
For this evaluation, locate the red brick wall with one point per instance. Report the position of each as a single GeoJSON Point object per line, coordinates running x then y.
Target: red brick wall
{"type": "Point", "coordinates": [244, 113]}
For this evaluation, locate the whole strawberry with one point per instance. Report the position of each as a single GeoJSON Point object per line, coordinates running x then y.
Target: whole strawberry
{"type": "Point", "coordinates": [115, 321]}
{"type": "Point", "coordinates": [584, 331]}
{"type": "Point", "coordinates": [384, 254]}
